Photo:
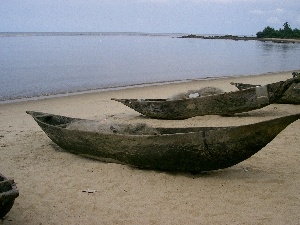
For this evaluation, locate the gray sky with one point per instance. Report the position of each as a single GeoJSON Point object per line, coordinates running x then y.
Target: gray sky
{"type": "Point", "coordinates": [244, 17]}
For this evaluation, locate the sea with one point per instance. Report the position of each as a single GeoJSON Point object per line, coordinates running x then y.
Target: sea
{"type": "Point", "coordinates": [49, 64]}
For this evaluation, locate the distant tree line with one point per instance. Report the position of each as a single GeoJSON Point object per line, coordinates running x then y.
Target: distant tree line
{"type": "Point", "coordinates": [286, 32]}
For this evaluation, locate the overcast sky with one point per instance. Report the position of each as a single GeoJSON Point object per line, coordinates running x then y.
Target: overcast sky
{"type": "Point", "coordinates": [244, 17]}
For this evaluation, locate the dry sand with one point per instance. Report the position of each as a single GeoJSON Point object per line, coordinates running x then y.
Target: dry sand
{"type": "Point", "coordinates": [261, 190]}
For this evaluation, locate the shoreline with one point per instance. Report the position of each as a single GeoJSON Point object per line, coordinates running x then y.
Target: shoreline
{"type": "Point", "coordinates": [243, 38]}
{"type": "Point", "coordinates": [34, 98]}
{"type": "Point", "coordinates": [53, 183]}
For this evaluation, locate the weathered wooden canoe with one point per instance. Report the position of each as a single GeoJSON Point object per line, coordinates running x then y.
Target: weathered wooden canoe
{"type": "Point", "coordinates": [8, 194]}
{"type": "Point", "coordinates": [220, 104]}
{"type": "Point", "coordinates": [192, 149]}
{"type": "Point", "coordinates": [290, 96]}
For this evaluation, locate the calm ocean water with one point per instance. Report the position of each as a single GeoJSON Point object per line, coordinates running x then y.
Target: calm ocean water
{"type": "Point", "coordinates": [36, 65]}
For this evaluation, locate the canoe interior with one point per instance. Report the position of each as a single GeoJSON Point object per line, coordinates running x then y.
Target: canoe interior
{"type": "Point", "coordinates": [126, 129]}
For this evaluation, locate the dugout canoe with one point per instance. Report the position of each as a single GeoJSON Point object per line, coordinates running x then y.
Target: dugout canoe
{"type": "Point", "coordinates": [192, 149]}
{"type": "Point", "coordinates": [8, 194]}
{"type": "Point", "coordinates": [220, 104]}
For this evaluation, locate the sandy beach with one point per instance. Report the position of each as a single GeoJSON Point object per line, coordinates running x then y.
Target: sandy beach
{"type": "Point", "coordinates": [52, 182]}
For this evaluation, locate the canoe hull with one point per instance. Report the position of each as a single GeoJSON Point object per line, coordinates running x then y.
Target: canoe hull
{"type": "Point", "coordinates": [178, 149]}
{"type": "Point", "coordinates": [222, 104]}
{"type": "Point", "coordinates": [291, 96]}
{"type": "Point", "coordinates": [219, 104]}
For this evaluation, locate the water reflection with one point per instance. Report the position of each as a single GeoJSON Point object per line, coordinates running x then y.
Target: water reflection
{"type": "Point", "coordinates": [280, 47]}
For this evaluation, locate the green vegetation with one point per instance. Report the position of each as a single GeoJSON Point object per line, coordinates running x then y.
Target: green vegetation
{"type": "Point", "coordinates": [287, 32]}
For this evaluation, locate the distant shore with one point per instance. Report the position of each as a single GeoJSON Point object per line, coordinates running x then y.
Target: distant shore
{"type": "Point", "coordinates": [242, 38]}
{"type": "Point", "coordinates": [178, 35]}
{"type": "Point", "coordinates": [26, 34]}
